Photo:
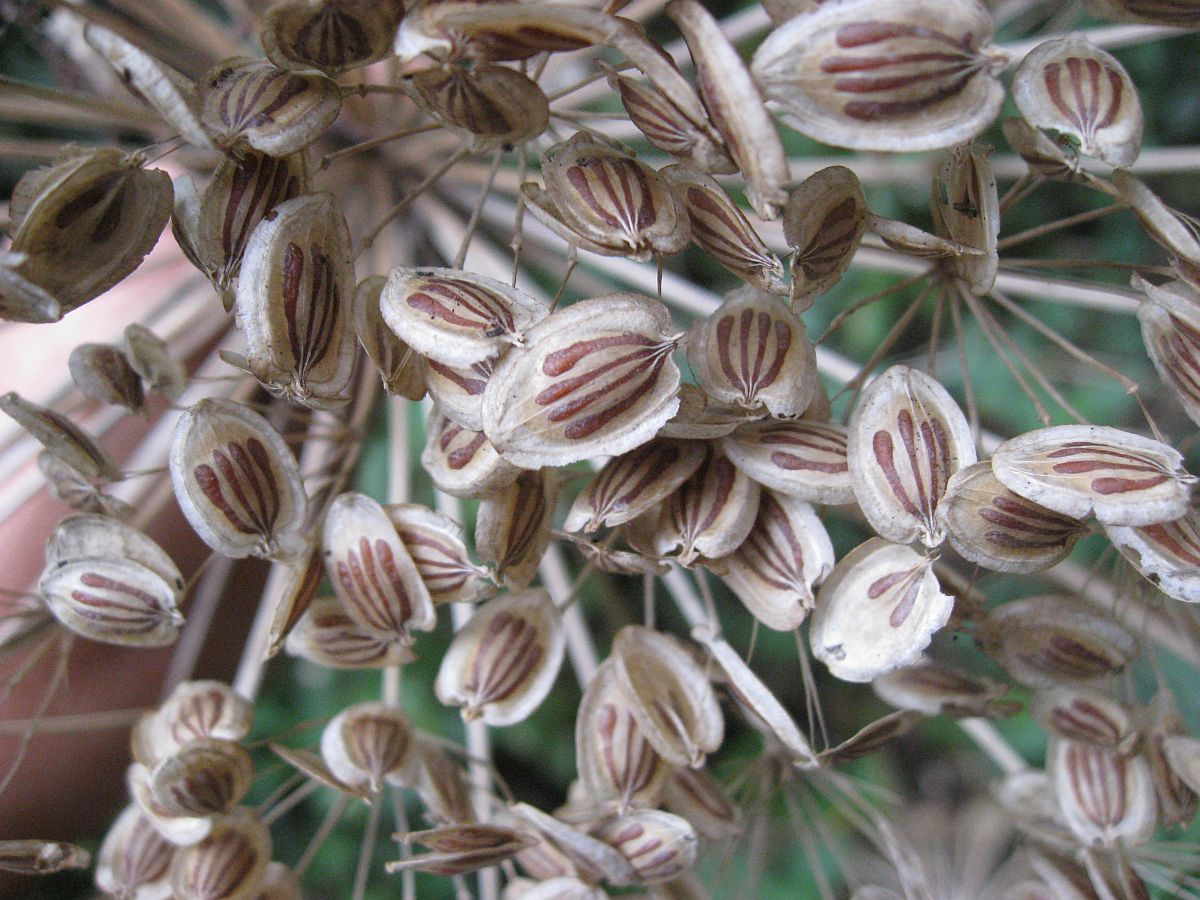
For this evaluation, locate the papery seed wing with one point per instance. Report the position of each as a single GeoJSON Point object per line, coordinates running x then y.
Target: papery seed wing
{"type": "Point", "coordinates": [398, 364]}
{"type": "Point", "coordinates": [237, 481]}
{"type": "Point", "coordinates": [1088, 717]}
{"type": "Point", "coordinates": [461, 849]}
{"type": "Point", "coordinates": [616, 764]}
{"type": "Point", "coordinates": [588, 854]}
{"type": "Point", "coordinates": [293, 301]}
{"type": "Point", "coordinates": [735, 107]}
{"type": "Point", "coordinates": [313, 766]}
{"type": "Point", "coordinates": [1168, 555]}
{"type": "Point", "coordinates": [134, 859]}
{"type": "Point", "coordinates": [273, 110]}
{"type": "Point", "coordinates": [1081, 470]}
{"type": "Point", "coordinates": [669, 694]}
{"type": "Point", "coordinates": [966, 209]}
{"type": "Point", "coordinates": [91, 536]}
{"type": "Point", "coordinates": [183, 831]}
{"type": "Point", "coordinates": [1174, 231]}
{"type": "Point", "coordinates": [330, 35]}
{"type": "Point", "coordinates": [371, 570]}
{"type": "Point", "coordinates": [328, 636]}
{"type": "Point", "coordinates": [512, 528]}
{"type": "Point", "coordinates": [151, 358]}
{"type": "Point", "coordinates": [72, 487]}
{"type": "Point", "coordinates": [461, 462]}
{"type": "Point", "coordinates": [298, 590]}
{"type": "Point", "coordinates": [441, 783]}
{"type": "Point", "coordinates": [913, 241]}
{"type": "Point", "coordinates": [115, 601]}
{"type": "Point", "coordinates": [1052, 641]}
{"type": "Point", "coordinates": [1176, 799]}
{"type": "Point", "coordinates": [458, 391]}
{"type": "Point", "coordinates": [752, 350]}
{"type": "Point", "coordinates": [170, 93]}
{"type": "Point", "coordinates": [912, 75]}
{"type": "Point", "coordinates": [61, 437]}
{"type": "Point", "coordinates": [877, 611]}
{"type": "Point", "coordinates": [804, 459]}
{"type": "Point", "coordinates": [596, 378]}
{"type": "Point", "coordinates": [1170, 320]}
{"type": "Point", "coordinates": [34, 857]}
{"type": "Point", "coordinates": [205, 778]}
{"type": "Point", "coordinates": [907, 436]}
{"type": "Point", "coordinates": [231, 862]}
{"type": "Point", "coordinates": [659, 845]}
{"type": "Point", "coordinates": [495, 104]}
{"type": "Point", "coordinates": [711, 513]}
{"type": "Point", "coordinates": [723, 231]}
{"type": "Point", "coordinates": [198, 709]}
{"type": "Point", "coordinates": [871, 737]}
{"type": "Point", "coordinates": [1105, 797]}
{"type": "Point", "coordinates": [774, 570]}
{"type": "Point", "coordinates": [696, 796]}
{"type": "Point", "coordinates": [454, 317]}
{"type": "Point", "coordinates": [633, 483]}
{"type": "Point", "coordinates": [1072, 87]}
{"type": "Point", "coordinates": [103, 373]}
{"type": "Point", "coordinates": [824, 223]}
{"type": "Point", "coordinates": [933, 688]}
{"type": "Point", "coordinates": [701, 418]}
{"type": "Point", "coordinates": [436, 546]}
{"type": "Point", "coordinates": [991, 526]}
{"type": "Point", "coordinates": [1042, 155]}
{"type": "Point", "coordinates": [367, 744]}
{"type": "Point", "coordinates": [502, 663]}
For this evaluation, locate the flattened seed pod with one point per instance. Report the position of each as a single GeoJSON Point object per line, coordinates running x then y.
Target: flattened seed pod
{"type": "Point", "coordinates": [313, 765]}
{"type": "Point", "coordinates": [293, 302]}
{"type": "Point", "coordinates": [90, 536]}
{"type": "Point", "coordinates": [753, 351]}
{"type": "Point", "coordinates": [237, 481]}
{"type": "Point", "coordinates": [710, 514]}
{"type": "Point", "coordinates": [1088, 717]}
{"type": "Point", "coordinates": [1072, 87]}
{"type": "Point", "coordinates": [454, 317]}
{"type": "Point", "coordinates": [300, 583]}
{"type": "Point", "coordinates": [114, 601]}
{"type": "Point", "coordinates": [933, 688]}
{"type": "Point", "coordinates": [371, 570]}
{"type": "Point", "coordinates": [907, 436]}
{"type": "Point", "coordinates": [735, 107]}
{"type": "Point", "coordinates": [1176, 799]}
{"type": "Point", "coordinates": [502, 663]}
{"type": "Point", "coordinates": [1171, 229]}
{"type": "Point", "coordinates": [87, 222]}
{"type": "Point", "coordinates": [1170, 320]}
{"type": "Point", "coordinates": [600, 198]}
{"type": "Point", "coordinates": [244, 100]}
{"type": "Point", "coordinates": [804, 459]}
{"type": "Point", "coordinates": [1082, 470]}
{"type": "Point", "coordinates": [368, 744]}
{"type": "Point", "coordinates": [966, 209]}
{"type": "Point", "coordinates": [102, 372]}
{"type": "Point", "coordinates": [73, 488]}
{"type": "Point", "coordinates": [1167, 555]}
{"type": "Point", "coordinates": [61, 437]}
{"type": "Point", "coordinates": [441, 783]}
{"type": "Point", "coordinates": [991, 526]}
{"type": "Point", "coordinates": [200, 709]}
{"type": "Point", "coordinates": [669, 693]}
{"type": "Point", "coordinates": [496, 104]}
{"type": "Point", "coordinates": [871, 737]}
{"type": "Point", "coordinates": [436, 546]}
{"type": "Point", "coordinates": [20, 299]}
{"type": "Point", "coordinates": [1052, 641]}
{"type": "Point", "coordinates": [1106, 797]}
{"type": "Point", "coordinates": [659, 845]}
{"type": "Point", "coordinates": [877, 611]}
{"type": "Point", "coordinates": [462, 462]}
{"type": "Point", "coordinates": [723, 231]}
{"type": "Point", "coordinates": [458, 391]}
{"type": "Point", "coordinates": [596, 378]}
{"type": "Point", "coordinates": [633, 483]}
{"type": "Point", "coordinates": [696, 796]}
{"type": "Point", "coordinates": [824, 222]}
{"type": "Point", "coordinates": [702, 418]}
{"type": "Point", "coordinates": [204, 778]}
{"type": "Point", "coordinates": [1042, 155]}
{"type": "Point", "coordinates": [913, 241]}
{"type": "Point", "coordinates": [911, 75]}
{"type": "Point", "coordinates": [328, 636]}
{"type": "Point", "coordinates": [512, 527]}
{"type": "Point", "coordinates": [134, 860]}
{"type": "Point", "coordinates": [398, 364]}
{"type": "Point", "coordinates": [774, 570]}
{"type": "Point", "coordinates": [229, 864]}
{"type": "Point", "coordinates": [616, 764]}
{"type": "Point", "coordinates": [34, 857]}
{"type": "Point", "coordinates": [150, 356]}
{"type": "Point", "coordinates": [460, 849]}
{"type": "Point", "coordinates": [330, 35]}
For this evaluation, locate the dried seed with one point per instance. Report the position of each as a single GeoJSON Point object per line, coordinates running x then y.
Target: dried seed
{"type": "Point", "coordinates": [436, 546]}
{"type": "Point", "coordinates": [711, 513]}
{"type": "Point", "coordinates": [633, 483]}
{"type": "Point", "coordinates": [1170, 320]}
{"type": "Point", "coordinates": [1106, 798]}
{"type": "Point", "coordinates": [698, 798]}
{"type": "Point", "coordinates": [368, 744]}
{"type": "Point", "coordinates": [330, 35]}
{"type": "Point", "coordinates": [1172, 230]}
{"type": "Point", "coordinates": [596, 378]}
{"type": "Point", "coordinates": [196, 710]}
{"type": "Point", "coordinates": [61, 437]}
{"type": "Point", "coordinates": [1176, 799]}
{"type": "Point", "coordinates": [462, 462]}
{"type": "Point", "coordinates": [328, 636]}
{"type": "Point", "coordinates": [600, 198]}
{"type": "Point", "coordinates": [1051, 159]}
{"type": "Point", "coordinates": [371, 570]}
{"type": "Point", "coordinates": [503, 662]}
{"type": "Point", "coordinates": [441, 784]}
{"type": "Point", "coordinates": [912, 240]}
{"type": "Point", "coordinates": [134, 859]}
{"type": "Point", "coordinates": [966, 209]}
{"type": "Point", "coordinates": [151, 358]}
{"type": "Point", "coordinates": [458, 391]}
{"type": "Point", "coordinates": [824, 222]}
{"type": "Point", "coordinates": [1113, 877]}
{"type": "Point", "coordinates": [907, 437]}
{"type": "Point", "coordinates": [606, 559]}
{"type": "Point", "coordinates": [1052, 641]}
{"type": "Point", "coordinates": [459, 849]}
{"type": "Point", "coordinates": [237, 482]}
{"type": "Point", "coordinates": [991, 526]}
{"type": "Point", "coordinates": [1084, 716]}
{"type": "Point", "coordinates": [512, 526]}
{"type": "Point", "coordinates": [669, 694]}
{"type": "Point", "coordinates": [702, 418]}
{"type": "Point", "coordinates": [295, 596]}
{"type": "Point", "coordinates": [181, 830]}
{"type": "Point", "coordinates": [658, 845]}
{"type": "Point", "coordinates": [70, 486]}
{"type": "Point", "coordinates": [103, 373]}
{"type": "Point", "coordinates": [496, 104]}
{"type": "Point", "coordinates": [230, 863]}
{"type": "Point", "coordinates": [752, 351]}
{"type": "Point", "coordinates": [89, 536]}
{"type": "Point", "coordinates": [114, 601]}
{"type": "Point", "coordinates": [313, 766]}
{"type": "Point", "coordinates": [912, 75]}
{"type": "Point", "coordinates": [616, 764]}
{"type": "Point", "coordinates": [293, 297]}
{"type": "Point", "coordinates": [1080, 470]}
{"type": "Point", "coordinates": [398, 364]}
{"type": "Point", "coordinates": [871, 737]}
{"type": "Point", "coordinates": [592, 856]}
{"type": "Point", "coordinates": [457, 318]}
{"type": "Point", "coordinates": [1168, 555]}
{"type": "Point", "coordinates": [723, 231]}
{"type": "Point", "coordinates": [1072, 87]}
{"type": "Point", "coordinates": [1183, 755]}
{"type": "Point", "coordinates": [877, 611]}
{"type": "Point", "coordinates": [804, 459]}
{"type": "Point", "coordinates": [20, 299]}
{"type": "Point", "coordinates": [206, 777]}
{"type": "Point", "coordinates": [933, 688]}
{"type": "Point", "coordinates": [244, 100]}
{"type": "Point", "coordinates": [33, 857]}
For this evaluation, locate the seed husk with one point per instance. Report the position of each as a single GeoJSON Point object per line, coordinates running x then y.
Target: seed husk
{"type": "Point", "coordinates": [966, 209]}
{"type": "Point", "coordinates": [328, 636]}
{"type": "Point", "coordinates": [196, 710]}
{"type": "Point", "coordinates": [205, 778]}
{"type": "Point", "coordinates": [805, 459]}
{"type": "Point", "coordinates": [871, 737]}
{"type": "Point", "coordinates": [114, 601]}
{"type": "Point", "coordinates": [658, 845]}
{"type": "Point", "coordinates": [1176, 799]}
{"type": "Point", "coordinates": [457, 391]}
{"type": "Point", "coordinates": [1170, 320]}
{"type": "Point", "coordinates": [459, 849]}
{"type": "Point", "coordinates": [61, 437]}
{"type": "Point", "coordinates": [330, 35]}
{"type": "Point", "coordinates": [103, 373]}
{"type": "Point", "coordinates": [134, 859]}
{"type": "Point", "coordinates": [34, 857]}
{"type": "Point", "coordinates": [72, 487]}
{"type": "Point", "coordinates": [1105, 797]}
{"type": "Point", "coordinates": [463, 462]}
{"type": "Point", "coordinates": [1085, 716]}
{"type": "Point", "coordinates": [230, 863]}
{"type": "Point", "coordinates": [496, 104]}
{"type": "Point", "coordinates": [697, 797]}
{"type": "Point", "coordinates": [1167, 555]}
{"type": "Point", "coordinates": [398, 364]}
{"type": "Point", "coordinates": [368, 744]}
{"type": "Point", "coordinates": [151, 358]}
{"type": "Point", "coordinates": [435, 543]}
{"type": "Point", "coordinates": [512, 527]}
{"type": "Point", "coordinates": [301, 582]}
{"type": "Point", "coordinates": [933, 688]}
{"type": "Point", "coordinates": [824, 222]}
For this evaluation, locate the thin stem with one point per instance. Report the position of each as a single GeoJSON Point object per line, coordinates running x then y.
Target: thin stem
{"type": "Point", "coordinates": [854, 307]}
{"type": "Point", "coordinates": [336, 810]}
{"type": "Point", "coordinates": [56, 680]}
{"type": "Point", "coordinates": [473, 222]}
{"type": "Point", "coordinates": [398, 210]}
{"type": "Point", "coordinates": [374, 142]}
{"type": "Point", "coordinates": [363, 871]}
{"type": "Point", "coordinates": [965, 368]}
{"type": "Point", "coordinates": [76, 722]}
{"type": "Point", "coordinates": [1050, 227]}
